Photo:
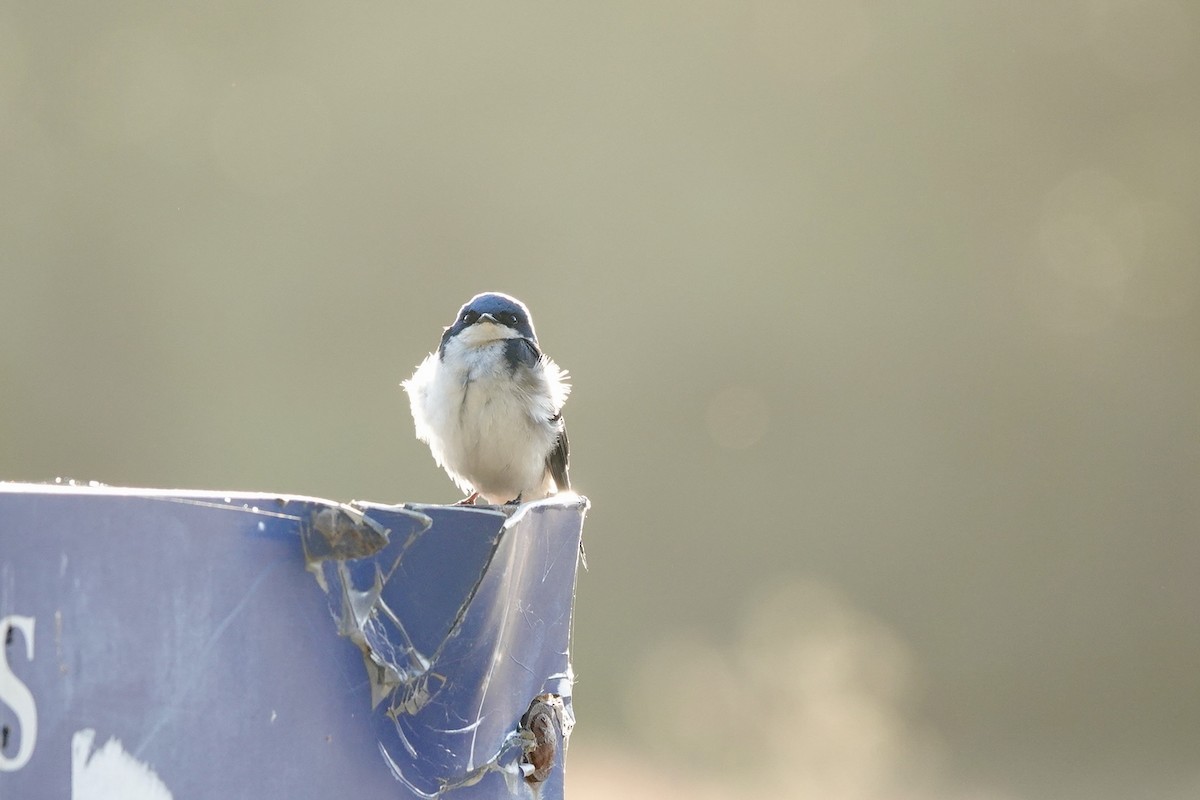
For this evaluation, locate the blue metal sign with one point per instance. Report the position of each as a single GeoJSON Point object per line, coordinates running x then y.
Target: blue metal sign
{"type": "Point", "coordinates": [186, 644]}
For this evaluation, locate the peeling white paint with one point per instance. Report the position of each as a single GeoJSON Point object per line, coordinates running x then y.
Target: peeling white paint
{"type": "Point", "coordinates": [110, 773]}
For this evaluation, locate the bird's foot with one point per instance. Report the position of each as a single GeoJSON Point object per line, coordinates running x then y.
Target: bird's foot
{"type": "Point", "coordinates": [516, 501]}
{"type": "Point", "coordinates": [469, 500]}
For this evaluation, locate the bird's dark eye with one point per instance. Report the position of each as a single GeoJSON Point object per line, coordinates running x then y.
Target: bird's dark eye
{"type": "Point", "coordinates": [469, 317]}
{"type": "Point", "coordinates": [507, 319]}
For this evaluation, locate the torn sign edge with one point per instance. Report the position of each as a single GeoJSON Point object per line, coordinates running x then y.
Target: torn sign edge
{"type": "Point", "coordinates": [409, 679]}
{"type": "Point", "coordinates": [535, 749]}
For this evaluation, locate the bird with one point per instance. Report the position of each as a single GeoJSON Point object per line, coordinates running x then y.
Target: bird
{"type": "Point", "coordinates": [488, 402]}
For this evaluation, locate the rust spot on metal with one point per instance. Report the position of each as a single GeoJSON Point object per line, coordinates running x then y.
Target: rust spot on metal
{"type": "Point", "coordinates": [342, 533]}
{"type": "Point", "coordinates": [539, 721]}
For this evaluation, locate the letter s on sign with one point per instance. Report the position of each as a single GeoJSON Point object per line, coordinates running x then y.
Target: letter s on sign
{"type": "Point", "coordinates": [16, 695]}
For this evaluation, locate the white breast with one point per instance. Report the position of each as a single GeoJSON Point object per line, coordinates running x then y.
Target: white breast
{"type": "Point", "coordinates": [488, 428]}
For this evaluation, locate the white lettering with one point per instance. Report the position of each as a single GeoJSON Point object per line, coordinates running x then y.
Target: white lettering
{"type": "Point", "coordinates": [16, 695]}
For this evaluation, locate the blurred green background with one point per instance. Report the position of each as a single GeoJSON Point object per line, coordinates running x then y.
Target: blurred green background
{"type": "Point", "coordinates": [883, 318]}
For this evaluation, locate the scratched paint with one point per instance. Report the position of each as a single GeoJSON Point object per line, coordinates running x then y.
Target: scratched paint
{"type": "Point", "coordinates": [456, 683]}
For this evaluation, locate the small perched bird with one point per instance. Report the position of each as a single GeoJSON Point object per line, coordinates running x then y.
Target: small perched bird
{"type": "Point", "coordinates": [488, 403]}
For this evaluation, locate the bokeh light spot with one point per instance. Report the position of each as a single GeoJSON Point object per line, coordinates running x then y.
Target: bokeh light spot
{"type": "Point", "coordinates": [737, 417]}
{"type": "Point", "coordinates": [1109, 252]}
{"type": "Point", "coordinates": [809, 699]}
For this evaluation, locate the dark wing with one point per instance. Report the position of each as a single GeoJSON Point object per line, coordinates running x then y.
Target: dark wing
{"type": "Point", "coordinates": [556, 462]}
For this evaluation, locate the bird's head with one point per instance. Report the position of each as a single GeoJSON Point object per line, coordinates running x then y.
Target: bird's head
{"type": "Point", "coordinates": [489, 317]}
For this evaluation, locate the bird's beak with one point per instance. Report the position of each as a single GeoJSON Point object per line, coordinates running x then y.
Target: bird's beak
{"type": "Point", "coordinates": [486, 318]}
